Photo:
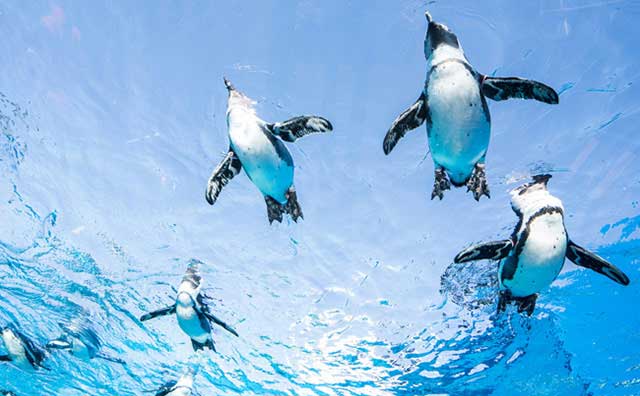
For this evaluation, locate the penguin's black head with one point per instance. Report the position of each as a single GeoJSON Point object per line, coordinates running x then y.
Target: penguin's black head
{"type": "Point", "coordinates": [9, 327]}
{"type": "Point", "coordinates": [10, 330]}
{"type": "Point", "coordinates": [541, 178]}
{"type": "Point", "coordinates": [192, 274]}
{"type": "Point", "coordinates": [437, 35]}
{"type": "Point", "coordinates": [539, 183]}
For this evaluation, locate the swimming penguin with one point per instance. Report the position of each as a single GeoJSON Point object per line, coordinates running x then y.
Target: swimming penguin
{"type": "Point", "coordinates": [453, 104]}
{"type": "Point", "coordinates": [181, 387]}
{"type": "Point", "coordinates": [534, 255]}
{"type": "Point", "coordinates": [21, 350]}
{"type": "Point", "coordinates": [6, 393]}
{"type": "Point", "coordinates": [81, 340]}
{"type": "Point", "coordinates": [194, 315]}
{"type": "Point", "coordinates": [257, 147]}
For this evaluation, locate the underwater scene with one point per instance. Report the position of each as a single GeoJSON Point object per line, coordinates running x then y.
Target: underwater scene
{"type": "Point", "coordinates": [306, 197]}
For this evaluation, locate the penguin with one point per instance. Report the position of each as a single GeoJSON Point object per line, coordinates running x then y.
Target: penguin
{"type": "Point", "coordinates": [21, 351]}
{"type": "Point", "coordinates": [453, 104]}
{"type": "Point", "coordinates": [257, 147]}
{"type": "Point", "coordinates": [192, 310]}
{"type": "Point", "coordinates": [81, 341]}
{"type": "Point", "coordinates": [181, 387]}
{"type": "Point", "coordinates": [533, 256]}
{"type": "Point", "coordinates": [6, 393]}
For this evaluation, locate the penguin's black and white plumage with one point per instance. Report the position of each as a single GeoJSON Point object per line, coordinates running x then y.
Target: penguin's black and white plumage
{"type": "Point", "coordinates": [192, 310]}
{"type": "Point", "coordinates": [182, 387]}
{"type": "Point", "coordinates": [81, 341]}
{"type": "Point", "coordinates": [21, 350]}
{"type": "Point", "coordinates": [533, 256]}
{"type": "Point", "coordinates": [256, 146]}
{"type": "Point", "coordinates": [453, 104]}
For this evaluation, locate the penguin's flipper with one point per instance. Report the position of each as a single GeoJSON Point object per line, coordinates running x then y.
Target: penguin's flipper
{"type": "Point", "coordinates": [160, 312]}
{"type": "Point", "coordinates": [220, 323]}
{"type": "Point", "coordinates": [501, 88]}
{"type": "Point", "coordinates": [410, 119]}
{"type": "Point", "coordinates": [110, 359]}
{"type": "Point", "coordinates": [222, 174]}
{"type": "Point", "coordinates": [5, 358]}
{"type": "Point", "coordinates": [297, 127]}
{"type": "Point", "coordinates": [59, 343]}
{"type": "Point", "coordinates": [584, 258]}
{"type": "Point", "coordinates": [495, 250]}
{"type": "Point", "coordinates": [198, 346]}
{"type": "Point", "coordinates": [274, 209]}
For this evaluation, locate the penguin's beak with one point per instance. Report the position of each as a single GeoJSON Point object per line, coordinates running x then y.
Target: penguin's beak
{"type": "Point", "coordinates": [228, 84]}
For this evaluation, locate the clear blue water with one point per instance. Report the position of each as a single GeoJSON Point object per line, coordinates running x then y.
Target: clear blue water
{"type": "Point", "coordinates": [112, 116]}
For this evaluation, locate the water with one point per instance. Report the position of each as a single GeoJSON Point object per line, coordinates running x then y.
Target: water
{"type": "Point", "coordinates": [112, 118]}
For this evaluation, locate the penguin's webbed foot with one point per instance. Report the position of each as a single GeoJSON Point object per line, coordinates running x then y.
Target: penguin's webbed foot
{"type": "Point", "coordinates": [199, 346]}
{"type": "Point", "coordinates": [440, 184]}
{"type": "Point", "coordinates": [274, 209]}
{"type": "Point", "coordinates": [478, 182]}
{"type": "Point", "coordinates": [292, 206]}
{"type": "Point", "coordinates": [503, 299]}
{"type": "Point", "coordinates": [524, 304]}
{"type": "Point", "coordinates": [527, 304]}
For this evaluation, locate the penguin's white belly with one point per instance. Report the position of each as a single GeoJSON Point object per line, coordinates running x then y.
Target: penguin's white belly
{"type": "Point", "coordinates": [16, 351]}
{"type": "Point", "coordinates": [189, 322]}
{"type": "Point", "coordinates": [271, 174]}
{"type": "Point", "coordinates": [541, 259]}
{"type": "Point", "coordinates": [460, 130]}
